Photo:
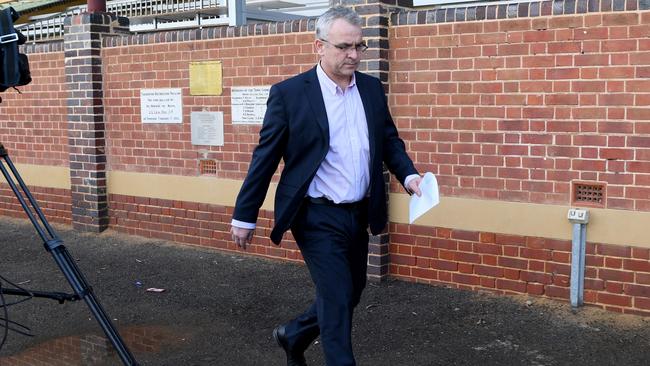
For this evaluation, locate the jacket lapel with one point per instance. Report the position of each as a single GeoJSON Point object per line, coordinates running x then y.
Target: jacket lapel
{"type": "Point", "coordinates": [366, 99]}
{"type": "Point", "coordinates": [315, 97]}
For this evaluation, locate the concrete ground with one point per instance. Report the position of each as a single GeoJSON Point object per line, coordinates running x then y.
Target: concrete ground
{"type": "Point", "coordinates": [220, 309]}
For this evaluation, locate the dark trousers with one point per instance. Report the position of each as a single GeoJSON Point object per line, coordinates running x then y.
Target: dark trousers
{"type": "Point", "coordinates": [333, 240]}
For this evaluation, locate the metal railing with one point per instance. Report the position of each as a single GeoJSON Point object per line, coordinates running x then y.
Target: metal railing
{"type": "Point", "coordinates": [150, 15]}
{"type": "Point", "coordinates": [153, 14]}
{"type": "Point", "coordinates": [47, 28]}
{"type": "Point", "coordinates": [130, 8]}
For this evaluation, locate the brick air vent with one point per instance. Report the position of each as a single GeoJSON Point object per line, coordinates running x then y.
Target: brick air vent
{"type": "Point", "coordinates": [588, 194]}
{"type": "Point", "coordinates": [207, 166]}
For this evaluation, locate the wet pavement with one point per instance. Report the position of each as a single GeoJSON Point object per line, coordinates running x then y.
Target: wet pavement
{"type": "Point", "coordinates": [220, 308]}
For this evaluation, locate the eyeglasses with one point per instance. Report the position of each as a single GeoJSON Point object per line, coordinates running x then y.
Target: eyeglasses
{"type": "Point", "coordinates": [346, 47]}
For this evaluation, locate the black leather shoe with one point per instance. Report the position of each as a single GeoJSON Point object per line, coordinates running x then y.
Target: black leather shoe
{"type": "Point", "coordinates": [294, 358]}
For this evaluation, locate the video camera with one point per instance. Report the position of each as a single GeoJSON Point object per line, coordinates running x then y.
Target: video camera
{"type": "Point", "coordinates": [14, 66]}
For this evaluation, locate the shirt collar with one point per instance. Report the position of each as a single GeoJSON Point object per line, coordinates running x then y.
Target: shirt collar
{"type": "Point", "coordinates": [328, 84]}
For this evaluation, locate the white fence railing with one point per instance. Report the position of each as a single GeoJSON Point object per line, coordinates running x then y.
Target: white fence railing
{"type": "Point", "coordinates": [130, 8]}
{"type": "Point", "coordinates": [144, 15]}
{"type": "Point", "coordinates": [150, 15]}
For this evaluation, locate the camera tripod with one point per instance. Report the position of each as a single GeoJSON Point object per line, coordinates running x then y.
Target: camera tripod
{"type": "Point", "coordinates": [54, 245]}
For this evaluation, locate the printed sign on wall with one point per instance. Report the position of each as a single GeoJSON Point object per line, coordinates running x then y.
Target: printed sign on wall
{"type": "Point", "coordinates": [161, 105]}
{"type": "Point", "coordinates": [249, 104]}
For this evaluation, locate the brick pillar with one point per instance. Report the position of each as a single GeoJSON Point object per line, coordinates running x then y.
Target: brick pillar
{"type": "Point", "coordinates": [86, 140]}
{"type": "Point", "coordinates": [376, 15]}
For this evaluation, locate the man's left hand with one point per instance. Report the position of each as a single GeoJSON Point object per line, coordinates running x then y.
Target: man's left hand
{"type": "Point", "coordinates": [414, 186]}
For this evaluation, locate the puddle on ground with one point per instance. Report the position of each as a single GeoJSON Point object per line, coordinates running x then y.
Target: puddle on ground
{"type": "Point", "coordinates": [96, 350]}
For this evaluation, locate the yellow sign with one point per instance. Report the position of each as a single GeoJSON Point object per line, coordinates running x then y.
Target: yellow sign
{"type": "Point", "coordinates": [206, 78]}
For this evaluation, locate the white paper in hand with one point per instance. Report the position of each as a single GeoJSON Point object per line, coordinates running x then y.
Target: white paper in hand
{"type": "Point", "coordinates": [430, 197]}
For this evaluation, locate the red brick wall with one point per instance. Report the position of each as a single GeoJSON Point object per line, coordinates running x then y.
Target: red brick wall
{"type": "Point", "coordinates": [193, 223]}
{"type": "Point", "coordinates": [167, 149]}
{"type": "Point", "coordinates": [33, 129]}
{"type": "Point", "coordinates": [33, 125]}
{"type": "Point", "coordinates": [514, 110]}
{"type": "Point", "coordinates": [616, 277]}
{"type": "Point", "coordinates": [147, 62]}
{"type": "Point", "coordinates": [54, 202]}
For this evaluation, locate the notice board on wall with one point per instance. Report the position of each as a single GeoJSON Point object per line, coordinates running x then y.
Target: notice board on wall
{"type": "Point", "coordinates": [161, 105]}
{"type": "Point", "coordinates": [249, 104]}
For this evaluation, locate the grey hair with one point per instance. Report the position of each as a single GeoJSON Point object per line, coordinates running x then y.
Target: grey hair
{"type": "Point", "coordinates": [324, 22]}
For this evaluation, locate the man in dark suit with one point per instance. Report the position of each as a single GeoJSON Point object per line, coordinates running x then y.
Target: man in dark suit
{"type": "Point", "coordinates": [332, 128]}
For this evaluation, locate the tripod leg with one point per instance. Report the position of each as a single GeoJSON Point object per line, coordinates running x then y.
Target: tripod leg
{"type": "Point", "coordinates": [66, 264]}
{"type": "Point", "coordinates": [76, 279]}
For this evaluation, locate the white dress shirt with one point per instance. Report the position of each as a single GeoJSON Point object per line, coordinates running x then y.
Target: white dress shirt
{"type": "Point", "coordinates": [344, 175]}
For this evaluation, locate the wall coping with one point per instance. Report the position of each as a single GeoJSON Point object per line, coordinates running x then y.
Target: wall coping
{"type": "Point", "coordinates": [519, 9]}
{"type": "Point", "coordinates": [45, 47]}
{"type": "Point", "coordinates": [257, 29]}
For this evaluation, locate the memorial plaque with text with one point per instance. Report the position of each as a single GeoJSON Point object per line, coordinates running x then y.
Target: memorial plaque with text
{"type": "Point", "coordinates": [249, 104]}
{"type": "Point", "coordinates": [207, 128]}
{"type": "Point", "coordinates": [161, 105]}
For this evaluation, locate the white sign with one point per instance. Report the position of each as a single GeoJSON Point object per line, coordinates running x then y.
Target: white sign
{"type": "Point", "coordinates": [161, 105]}
{"type": "Point", "coordinates": [249, 104]}
{"type": "Point", "coordinates": [207, 128]}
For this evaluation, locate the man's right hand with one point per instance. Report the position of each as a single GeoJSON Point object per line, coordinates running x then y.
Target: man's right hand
{"type": "Point", "coordinates": [241, 237]}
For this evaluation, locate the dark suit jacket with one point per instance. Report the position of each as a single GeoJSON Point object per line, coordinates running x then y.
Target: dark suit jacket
{"type": "Point", "coordinates": [295, 129]}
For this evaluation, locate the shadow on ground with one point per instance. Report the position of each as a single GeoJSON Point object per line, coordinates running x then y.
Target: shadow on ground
{"type": "Point", "coordinates": [220, 308]}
